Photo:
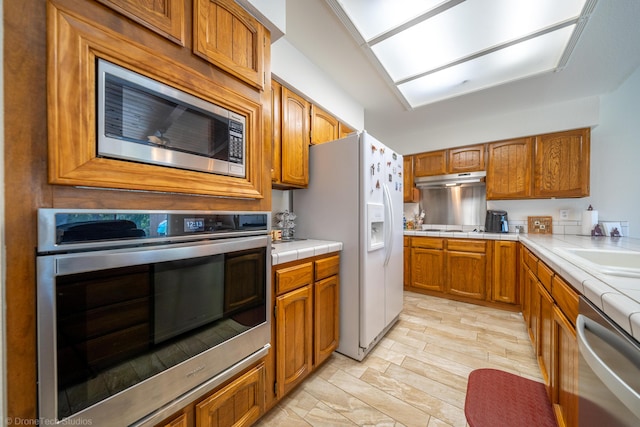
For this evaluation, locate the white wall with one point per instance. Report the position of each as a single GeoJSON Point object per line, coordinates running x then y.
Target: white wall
{"type": "Point", "coordinates": [615, 156]}
{"type": "Point", "coordinates": [451, 131]}
{"type": "Point", "coordinates": [615, 162]}
{"type": "Point", "coordinates": [290, 66]}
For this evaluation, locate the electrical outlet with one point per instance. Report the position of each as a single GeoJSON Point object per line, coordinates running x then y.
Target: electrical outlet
{"type": "Point", "coordinates": [564, 213]}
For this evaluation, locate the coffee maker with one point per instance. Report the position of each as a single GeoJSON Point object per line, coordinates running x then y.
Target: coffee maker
{"type": "Point", "coordinates": [496, 222]}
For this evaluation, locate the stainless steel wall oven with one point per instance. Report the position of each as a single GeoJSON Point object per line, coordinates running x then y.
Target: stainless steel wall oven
{"type": "Point", "coordinates": [140, 311]}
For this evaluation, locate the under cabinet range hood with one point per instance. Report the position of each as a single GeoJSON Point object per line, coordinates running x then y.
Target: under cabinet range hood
{"type": "Point", "coordinates": [451, 180]}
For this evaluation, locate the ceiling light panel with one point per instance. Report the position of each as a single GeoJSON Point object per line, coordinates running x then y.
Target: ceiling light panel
{"type": "Point", "coordinates": [467, 29]}
{"type": "Point", "coordinates": [430, 50]}
{"type": "Point", "coordinates": [376, 17]}
{"type": "Point", "coordinates": [534, 56]}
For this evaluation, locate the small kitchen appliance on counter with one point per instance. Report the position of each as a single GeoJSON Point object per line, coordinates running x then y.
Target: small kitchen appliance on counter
{"type": "Point", "coordinates": [496, 222]}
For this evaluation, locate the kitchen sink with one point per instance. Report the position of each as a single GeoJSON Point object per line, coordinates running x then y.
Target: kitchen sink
{"type": "Point", "coordinates": [615, 262]}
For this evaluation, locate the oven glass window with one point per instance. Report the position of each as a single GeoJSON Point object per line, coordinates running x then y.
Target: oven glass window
{"type": "Point", "coordinates": [118, 327]}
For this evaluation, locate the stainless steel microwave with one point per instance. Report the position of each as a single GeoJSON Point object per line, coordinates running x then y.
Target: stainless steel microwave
{"type": "Point", "coordinates": [146, 121]}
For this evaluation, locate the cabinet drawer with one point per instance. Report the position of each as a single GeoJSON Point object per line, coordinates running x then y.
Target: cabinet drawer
{"type": "Point", "coordinates": [566, 298]}
{"type": "Point", "coordinates": [327, 267]}
{"type": "Point", "coordinates": [290, 278]}
{"type": "Point", "coordinates": [407, 240]}
{"type": "Point", "coordinates": [427, 242]}
{"type": "Point", "coordinates": [479, 246]}
{"type": "Point", "coordinates": [545, 274]}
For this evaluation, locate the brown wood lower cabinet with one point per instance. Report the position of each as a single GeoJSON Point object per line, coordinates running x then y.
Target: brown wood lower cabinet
{"type": "Point", "coordinates": [505, 272]}
{"type": "Point", "coordinates": [406, 277]}
{"type": "Point", "coordinates": [467, 268]}
{"type": "Point", "coordinates": [294, 339]}
{"type": "Point", "coordinates": [238, 403]}
{"type": "Point", "coordinates": [181, 420]}
{"type": "Point", "coordinates": [550, 308]}
{"type": "Point", "coordinates": [470, 270]}
{"type": "Point", "coordinates": [306, 325]}
{"type": "Point", "coordinates": [427, 264]}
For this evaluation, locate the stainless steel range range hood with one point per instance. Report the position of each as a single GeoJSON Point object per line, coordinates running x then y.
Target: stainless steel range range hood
{"type": "Point", "coordinates": [451, 180]}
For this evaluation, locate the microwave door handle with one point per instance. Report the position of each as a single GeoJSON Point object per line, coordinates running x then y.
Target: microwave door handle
{"type": "Point", "coordinates": [618, 387]}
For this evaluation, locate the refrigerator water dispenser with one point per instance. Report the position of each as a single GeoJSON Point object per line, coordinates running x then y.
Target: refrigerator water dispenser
{"type": "Point", "coordinates": [375, 226]}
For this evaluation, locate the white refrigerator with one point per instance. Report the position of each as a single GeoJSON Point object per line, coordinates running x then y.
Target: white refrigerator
{"type": "Point", "coordinates": [355, 197]}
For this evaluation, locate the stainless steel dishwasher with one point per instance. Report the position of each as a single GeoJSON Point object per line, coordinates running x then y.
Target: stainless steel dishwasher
{"type": "Point", "coordinates": [609, 366]}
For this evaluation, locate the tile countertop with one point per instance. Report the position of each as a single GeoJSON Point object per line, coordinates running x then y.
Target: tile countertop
{"type": "Point", "coordinates": [617, 296]}
{"type": "Point", "coordinates": [282, 252]}
{"type": "Point", "coordinates": [463, 234]}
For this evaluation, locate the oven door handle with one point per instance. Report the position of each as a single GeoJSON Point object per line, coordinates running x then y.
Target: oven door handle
{"type": "Point", "coordinates": [622, 390]}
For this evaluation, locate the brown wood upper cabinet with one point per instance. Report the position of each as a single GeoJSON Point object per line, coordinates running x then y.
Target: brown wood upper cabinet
{"type": "Point", "coordinates": [431, 163]}
{"type": "Point", "coordinates": [293, 143]}
{"type": "Point", "coordinates": [324, 127]}
{"type": "Point", "coordinates": [229, 37]}
{"type": "Point", "coordinates": [166, 18]}
{"type": "Point", "coordinates": [76, 37]}
{"type": "Point", "coordinates": [509, 169]}
{"type": "Point", "coordinates": [466, 159]}
{"type": "Point", "coordinates": [344, 130]}
{"type": "Point", "coordinates": [562, 164]}
{"type": "Point", "coordinates": [542, 166]}
{"type": "Point", "coordinates": [453, 160]}
{"type": "Point", "coordinates": [410, 192]}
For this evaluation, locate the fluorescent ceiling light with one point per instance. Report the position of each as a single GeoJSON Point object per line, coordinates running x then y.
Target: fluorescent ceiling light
{"type": "Point", "coordinates": [430, 50]}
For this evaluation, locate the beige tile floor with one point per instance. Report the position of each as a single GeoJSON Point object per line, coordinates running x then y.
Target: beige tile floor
{"type": "Point", "coordinates": [417, 374]}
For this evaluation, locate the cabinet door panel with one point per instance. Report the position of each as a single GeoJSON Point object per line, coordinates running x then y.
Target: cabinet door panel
{"type": "Point", "coordinates": [276, 129]}
{"type": "Point", "coordinates": [544, 343]}
{"type": "Point", "coordinates": [344, 130]}
{"type": "Point", "coordinates": [179, 421]}
{"type": "Point", "coordinates": [427, 269]}
{"type": "Point", "coordinates": [432, 163]}
{"type": "Point", "coordinates": [410, 193]}
{"type": "Point", "coordinates": [240, 403]}
{"type": "Point", "coordinates": [534, 308]}
{"type": "Point", "coordinates": [509, 169]}
{"type": "Point", "coordinates": [326, 298]}
{"type": "Point", "coordinates": [295, 139]}
{"type": "Point", "coordinates": [406, 253]}
{"type": "Point", "coordinates": [166, 18]}
{"type": "Point", "coordinates": [229, 37]}
{"type": "Point", "coordinates": [505, 280]}
{"type": "Point", "coordinates": [562, 164]}
{"type": "Point", "coordinates": [565, 374]}
{"type": "Point", "coordinates": [466, 159]}
{"type": "Point", "coordinates": [294, 338]}
{"type": "Point", "coordinates": [467, 274]}
{"type": "Point", "coordinates": [324, 127]}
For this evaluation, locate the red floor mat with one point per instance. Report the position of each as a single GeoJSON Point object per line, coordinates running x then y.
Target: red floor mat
{"type": "Point", "coordinates": [499, 399]}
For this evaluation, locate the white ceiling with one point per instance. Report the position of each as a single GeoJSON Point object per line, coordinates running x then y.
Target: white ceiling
{"type": "Point", "coordinates": [607, 53]}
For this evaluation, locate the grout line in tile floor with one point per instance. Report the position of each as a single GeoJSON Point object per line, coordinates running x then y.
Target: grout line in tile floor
{"type": "Point", "coordinates": [417, 374]}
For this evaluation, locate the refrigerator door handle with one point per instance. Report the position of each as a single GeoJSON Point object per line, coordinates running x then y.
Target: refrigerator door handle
{"type": "Point", "coordinates": [388, 226]}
